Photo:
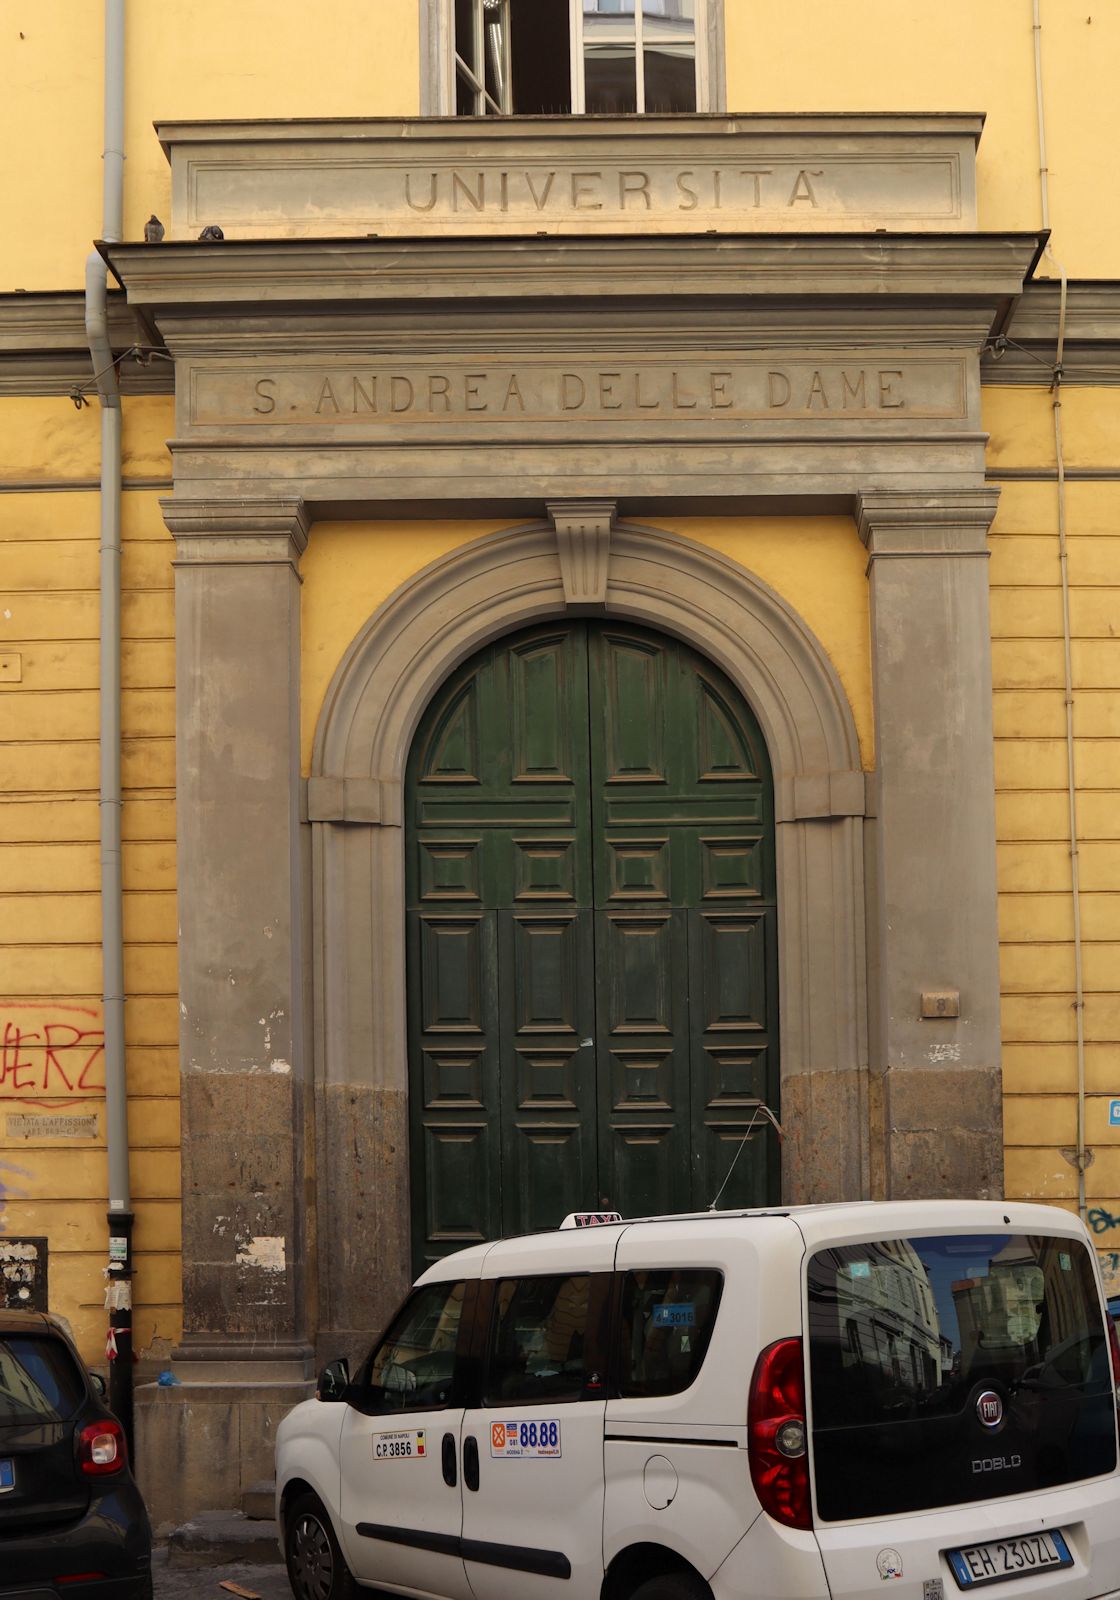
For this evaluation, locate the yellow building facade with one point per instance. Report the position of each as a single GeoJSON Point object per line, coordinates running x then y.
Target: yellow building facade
{"type": "Point", "coordinates": [781, 394]}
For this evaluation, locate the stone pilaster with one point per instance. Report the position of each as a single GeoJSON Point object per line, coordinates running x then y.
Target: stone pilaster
{"type": "Point", "coordinates": [241, 965]}
{"type": "Point", "coordinates": [936, 1079]}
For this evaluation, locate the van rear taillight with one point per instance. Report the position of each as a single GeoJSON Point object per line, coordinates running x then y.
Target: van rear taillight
{"type": "Point", "coordinates": [101, 1447]}
{"type": "Point", "coordinates": [777, 1437]}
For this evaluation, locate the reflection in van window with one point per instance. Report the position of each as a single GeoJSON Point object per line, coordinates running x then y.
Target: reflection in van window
{"type": "Point", "coordinates": [413, 1366]}
{"type": "Point", "coordinates": [667, 1319]}
{"type": "Point", "coordinates": [537, 1340]}
{"type": "Point", "coordinates": [955, 1368]}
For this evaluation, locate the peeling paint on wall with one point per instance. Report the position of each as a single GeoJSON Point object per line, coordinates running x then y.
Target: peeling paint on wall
{"type": "Point", "coordinates": [265, 1251]}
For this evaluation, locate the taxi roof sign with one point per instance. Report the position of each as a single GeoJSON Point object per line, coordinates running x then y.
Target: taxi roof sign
{"type": "Point", "coordinates": [590, 1219]}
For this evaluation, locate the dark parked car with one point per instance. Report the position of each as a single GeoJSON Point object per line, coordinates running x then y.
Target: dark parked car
{"type": "Point", "coordinates": [1114, 1309]}
{"type": "Point", "coordinates": [72, 1521]}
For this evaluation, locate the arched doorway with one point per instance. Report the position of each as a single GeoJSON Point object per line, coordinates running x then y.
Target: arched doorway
{"type": "Point", "coordinates": [592, 950]}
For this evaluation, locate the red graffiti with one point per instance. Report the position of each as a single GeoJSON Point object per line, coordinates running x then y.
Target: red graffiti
{"type": "Point", "coordinates": [51, 1050]}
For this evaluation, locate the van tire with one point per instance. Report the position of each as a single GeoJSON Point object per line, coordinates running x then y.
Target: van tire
{"type": "Point", "coordinates": [673, 1586]}
{"type": "Point", "coordinates": [317, 1569]}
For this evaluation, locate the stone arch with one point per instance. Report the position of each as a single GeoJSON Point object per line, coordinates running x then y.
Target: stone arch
{"type": "Point", "coordinates": [441, 616]}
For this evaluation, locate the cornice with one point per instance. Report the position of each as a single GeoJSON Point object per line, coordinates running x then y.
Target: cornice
{"type": "Point", "coordinates": [1091, 354]}
{"type": "Point", "coordinates": [476, 134]}
{"type": "Point", "coordinates": [43, 347]}
{"type": "Point", "coordinates": [237, 530]}
{"type": "Point", "coordinates": [340, 273]}
{"type": "Point", "coordinates": [929, 523]}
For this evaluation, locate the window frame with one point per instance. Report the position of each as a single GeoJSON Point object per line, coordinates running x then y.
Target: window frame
{"type": "Point", "coordinates": [437, 58]}
{"type": "Point", "coordinates": [597, 1349]}
{"type": "Point", "coordinates": [359, 1394]}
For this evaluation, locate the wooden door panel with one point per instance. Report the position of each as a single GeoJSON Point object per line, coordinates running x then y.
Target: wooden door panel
{"type": "Point", "coordinates": [647, 1168]}
{"type": "Point", "coordinates": [460, 1165]}
{"type": "Point", "coordinates": [450, 870]}
{"type": "Point", "coordinates": [637, 957]}
{"type": "Point", "coordinates": [631, 695]}
{"type": "Point", "coordinates": [544, 692]}
{"type": "Point", "coordinates": [723, 752]}
{"type": "Point", "coordinates": [545, 1166]}
{"type": "Point", "coordinates": [643, 1054]}
{"type": "Point", "coordinates": [733, 958]}
{"type": "Point", "coordinates": [548, 1107]}
{"type": "Point", "coordinates": [543, 981]}
{"type": "Point", "coordinates": [732, 972]}
{"type": "Point", "coordinates": [452, 978]}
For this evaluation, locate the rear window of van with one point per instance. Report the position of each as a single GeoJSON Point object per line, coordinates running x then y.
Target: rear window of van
{"type": "Point", "coordinates": [955, 1368]}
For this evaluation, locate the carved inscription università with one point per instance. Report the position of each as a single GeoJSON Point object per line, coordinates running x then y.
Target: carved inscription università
{"type": "Point", "coordinates": [636, 390]}
{"type": "Point", "coordinates": [652, 192]}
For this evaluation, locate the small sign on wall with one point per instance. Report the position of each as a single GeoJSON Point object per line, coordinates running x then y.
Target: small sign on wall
{"type": "Point", "coordinates": [23, 1274]}
{"type": "Point", "coordinates": [1114, 1113]}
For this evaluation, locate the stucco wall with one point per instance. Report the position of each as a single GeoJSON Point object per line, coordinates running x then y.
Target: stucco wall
{"type": "Point", "coordinates": [50, 928]}
{"type": "Point", "coordinates": [1036, 907]}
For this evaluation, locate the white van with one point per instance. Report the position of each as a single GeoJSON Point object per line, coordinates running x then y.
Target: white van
{"type": "Point", "coordinates": [807, 1404]}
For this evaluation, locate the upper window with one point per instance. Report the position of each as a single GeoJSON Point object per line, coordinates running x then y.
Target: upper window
{"type": "Point", "coordinates": [597, 56]}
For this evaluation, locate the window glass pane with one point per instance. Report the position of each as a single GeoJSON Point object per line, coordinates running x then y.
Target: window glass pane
{"type": "Point", "coordinates": [667, 1321]}
{"type": "Point", "coordinates": [670, 77]}
{"type": "Point", "coordinates": [496, 47]}
{"type": "Point", "coordinates": [608, 8]}
{"type": "Point", "coordinates": [413, 1366]}
{"type": "Point", "coordinates": [671, 11]}
{"type": "Point", "coordinates": [38, 1381]}
{"type": "Point", "coordinates": [537, 1341]}
{"type": "Point", "coordinates": [541, 56]}
{"type": "Point", "coordinates": [930, 1358]}
{"type": "Point", "coordinates": [610, 76]}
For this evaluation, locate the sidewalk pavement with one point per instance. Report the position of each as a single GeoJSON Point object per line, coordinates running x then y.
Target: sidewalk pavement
{"type": "Point", "coordinates": [173, 1582]}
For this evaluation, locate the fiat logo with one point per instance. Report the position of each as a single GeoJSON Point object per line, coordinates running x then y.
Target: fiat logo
{"type": "Point", "coordinates": [989, 1408]}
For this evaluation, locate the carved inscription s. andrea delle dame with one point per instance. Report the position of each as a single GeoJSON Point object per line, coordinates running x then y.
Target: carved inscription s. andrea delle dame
{"type": "Point", "coordinates": [642, 389]}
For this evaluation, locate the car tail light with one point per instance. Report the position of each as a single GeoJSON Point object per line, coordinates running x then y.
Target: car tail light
{"type": "Point", "coordinates": [101, 1447]}
{"type": "Point", "coordinates": [80, 1577]}
{"type": "Point", "coordinates": [777, 1434]}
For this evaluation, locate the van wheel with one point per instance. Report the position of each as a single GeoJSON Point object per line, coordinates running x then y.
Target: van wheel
{"type": "Point", "coordinates": [673, 1586]}
{"type": "Point", "coordinates": [316, 1568]}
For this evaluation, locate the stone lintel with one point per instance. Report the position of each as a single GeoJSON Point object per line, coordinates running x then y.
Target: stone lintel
{"type": "Point", "coordinates": [583, 541]}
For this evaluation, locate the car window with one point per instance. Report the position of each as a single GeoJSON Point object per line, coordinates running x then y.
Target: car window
{"type": "Point", "coordinates": [933, 1356]}
{"type": "Point", "coordinates": [666, 1323]}
{"type": "Point", "coordinates": [538, 1335]}
{"type": "Point", "coordinates": [413, 1367]}
{"type": "Point", "coordinates": [39, 1380]}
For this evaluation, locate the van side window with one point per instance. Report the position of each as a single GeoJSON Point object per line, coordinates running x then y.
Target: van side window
{"type": "Point", "coordinates": [413, 1367]}
{"type": "Point", "coordinates": [667, 1320]}
{"type": "Point", "coordinates": [537, 1338]}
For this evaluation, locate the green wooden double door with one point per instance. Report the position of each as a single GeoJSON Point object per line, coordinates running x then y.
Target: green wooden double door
{"type": "Point", "coordinates": [592, 948]}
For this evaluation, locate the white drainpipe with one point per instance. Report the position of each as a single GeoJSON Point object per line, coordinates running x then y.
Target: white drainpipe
{"type": "Point", "coordinates": [112, 931]}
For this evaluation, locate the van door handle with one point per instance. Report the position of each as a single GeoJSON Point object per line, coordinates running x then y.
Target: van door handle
{"type": "Point", "coordinates": [450, 1476]}
{"type": "Point", "coordinates": [470, 1462]}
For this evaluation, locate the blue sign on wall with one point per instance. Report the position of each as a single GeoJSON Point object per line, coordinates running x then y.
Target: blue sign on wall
{"type": "Point", "coordinates": [1114, 1113]}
